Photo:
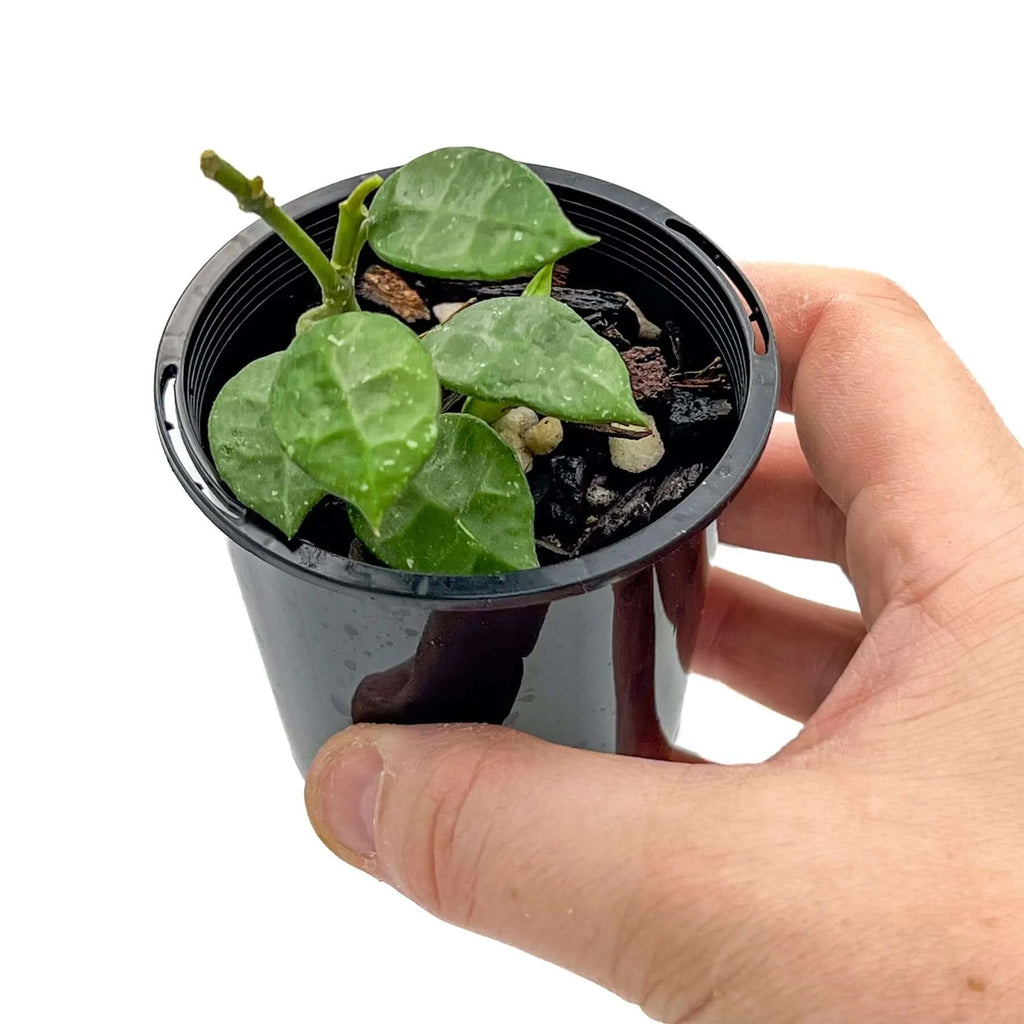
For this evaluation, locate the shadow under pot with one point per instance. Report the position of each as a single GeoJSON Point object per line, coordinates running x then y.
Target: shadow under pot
{"type": "Point", "coordinates": [590, 651]}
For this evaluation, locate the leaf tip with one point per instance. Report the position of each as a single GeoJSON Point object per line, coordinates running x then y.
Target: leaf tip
{"type": "Point", "coordinates": [637, 418]}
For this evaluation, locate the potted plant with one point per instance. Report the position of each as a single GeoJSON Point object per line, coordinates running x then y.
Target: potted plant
{"type": "Point", "coordinates": [469, 480]}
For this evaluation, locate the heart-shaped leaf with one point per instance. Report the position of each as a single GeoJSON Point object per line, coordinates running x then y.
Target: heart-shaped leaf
{"type": "Point", "coordinates": [248, 455]}
{"type": "Point", "coordinates": [469, 213]}
{"type": "Point", "coordinates": [469, 509]}
{"type": "Point", "coordinates": [355, 404]}
{"type": "Point", "coordinates": [534, 351]}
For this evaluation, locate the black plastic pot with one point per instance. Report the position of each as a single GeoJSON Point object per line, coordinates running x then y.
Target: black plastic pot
{"type": "Point", "coordinates": [591, 652]}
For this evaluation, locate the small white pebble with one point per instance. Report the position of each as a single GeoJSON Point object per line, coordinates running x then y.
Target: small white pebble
{"type": "Point", "coordinates": [446, 310]}
{"type": "Point", "coordinates": [516, 421]}
{"type": "Point", "coordinates": [518, 445]}
{"type": "Point", "coordinates": [637, 456]}
{"type": "Point", "coordinates": [512, 428]}
{"type": "Point", "coordinates": [524, 456]}
{"type": "Point", "coordinates": [545, 436]}
{"type": "Point", "coordinates": [600, 496]}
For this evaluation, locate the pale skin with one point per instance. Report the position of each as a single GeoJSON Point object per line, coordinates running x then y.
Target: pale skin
{"type": "Point", "coordinates": [873, 870]}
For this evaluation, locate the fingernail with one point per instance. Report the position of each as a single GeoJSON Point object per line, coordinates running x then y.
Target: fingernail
{"type": "Point", "coordinates": [348, 798]}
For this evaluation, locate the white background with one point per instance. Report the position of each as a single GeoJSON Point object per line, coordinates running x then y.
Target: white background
{"type": "Point", "coordinates": [157, 864]}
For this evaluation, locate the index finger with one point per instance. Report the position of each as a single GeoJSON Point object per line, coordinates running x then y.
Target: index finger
{"type": "Point", "coordinates": [897, 432]}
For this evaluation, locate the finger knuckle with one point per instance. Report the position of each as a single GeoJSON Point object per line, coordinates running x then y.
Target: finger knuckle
{"type": "Point", "coordinates": [447, 838]}
{"type": "Point", "coordinates": [882, 293]}
{"type": "Point", "coordinates": [830, 524]}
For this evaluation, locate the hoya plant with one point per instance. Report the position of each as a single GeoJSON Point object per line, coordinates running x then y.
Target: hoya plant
{"type": "Point", "coordinates": [352, 406]}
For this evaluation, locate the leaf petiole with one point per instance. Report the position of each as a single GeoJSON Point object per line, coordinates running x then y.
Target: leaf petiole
{"type": "Point", "coordinates": [484, 410]}
{"type": "Point", "coordinates": [350, 234]}
{"type": "Point", "coordinates": [540, 283]}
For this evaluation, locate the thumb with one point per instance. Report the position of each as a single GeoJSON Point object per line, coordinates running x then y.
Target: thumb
{"type": "Point", "coordinates": [603, 864]}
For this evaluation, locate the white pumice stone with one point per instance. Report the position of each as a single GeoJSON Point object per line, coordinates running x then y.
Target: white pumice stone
{"type": "Point", "coordinates": [516, 421]}
{"type": "Point", "coordinates": [545, 437]}
{"type": "Point", "coordinates": [446, 310]}
{"type": "Point", "coordinates": [518, 445]}
{"type": "Point", "coordinates": [637, 456]}
{"type": "Point", "coordinates": [512, 428]}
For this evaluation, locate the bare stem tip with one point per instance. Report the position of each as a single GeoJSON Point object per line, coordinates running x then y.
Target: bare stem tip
{"type": "Point", "coordinates": [210, 163]}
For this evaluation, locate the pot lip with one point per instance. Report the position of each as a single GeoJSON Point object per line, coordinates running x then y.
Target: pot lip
{"type": "Point", "coordinates": [547, 583]}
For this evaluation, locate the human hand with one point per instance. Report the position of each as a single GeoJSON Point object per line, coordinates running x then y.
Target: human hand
{"type": "Point", "coordinates": [873, 870]}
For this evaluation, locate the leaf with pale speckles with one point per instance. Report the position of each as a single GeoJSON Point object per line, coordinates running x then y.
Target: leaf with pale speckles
{"type": "Point", "coordinates": [355, 404]}
{"type": "Point", "coordinates": [534, 351]}
{"type": "Point", "coordinates": [469, 509]}
{"type": "Point", "coordinates": [470, 213]}
{"type": "Point", "coordinates": [248, 455]}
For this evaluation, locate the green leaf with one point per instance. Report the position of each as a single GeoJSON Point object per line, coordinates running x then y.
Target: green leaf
{"type": "Point", "coordinates": [534, 351]}
{"type": "Point", "coordinates": [540, 283]}
{"type": "Point", "coordinates": [469, 213]}
{"type": "Point", "coordinates": [467, 511]}
{"type": "Point", "coordinates": [248, 455]}
{"type": "Point", "coordinates": [355, 404]}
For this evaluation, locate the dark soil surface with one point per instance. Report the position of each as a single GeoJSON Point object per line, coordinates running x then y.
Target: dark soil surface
{"type": "Point", "coordinates": [583, 501]}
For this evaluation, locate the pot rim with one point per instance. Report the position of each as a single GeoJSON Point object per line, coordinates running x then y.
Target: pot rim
{"type": "Point", "coordinates": [528, 586]}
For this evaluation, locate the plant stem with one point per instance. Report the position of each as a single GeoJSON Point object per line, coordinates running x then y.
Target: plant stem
{"type": "Point", "coordinates": [350, 235]}
{"type": "Point", "coordinates": [252, 198]}
{"type": "Point", "coordinates": [540, 283]}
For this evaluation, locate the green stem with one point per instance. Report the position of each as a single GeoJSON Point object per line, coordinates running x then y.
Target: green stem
{"type": "Point", "coordinates": [361, 236]}
{"type": "Point", "coordinates": [540, 283]}
{"type": "Point", "coordinates": [350, 235]}
{"type": "Point", "coordinates": [252, 198]}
